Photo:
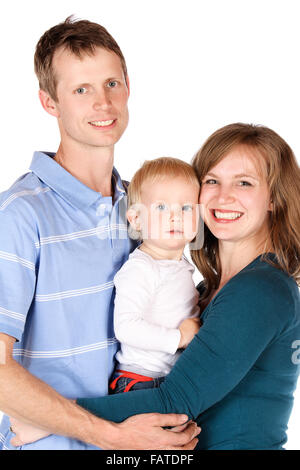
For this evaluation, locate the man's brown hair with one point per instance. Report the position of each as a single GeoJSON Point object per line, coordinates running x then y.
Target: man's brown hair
{"type": "Point", "coordinates": [77, 36]}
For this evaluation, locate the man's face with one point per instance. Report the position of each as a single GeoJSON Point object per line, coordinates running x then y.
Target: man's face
{"type": "Point", "coordinates": [92, 97]}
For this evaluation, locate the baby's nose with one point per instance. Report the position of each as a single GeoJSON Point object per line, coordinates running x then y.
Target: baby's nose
{"type": "Point", "coordinates": [176, 214]}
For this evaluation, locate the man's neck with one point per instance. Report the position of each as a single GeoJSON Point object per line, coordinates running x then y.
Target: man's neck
{"type": "Point", "coordinates": [92, 166]}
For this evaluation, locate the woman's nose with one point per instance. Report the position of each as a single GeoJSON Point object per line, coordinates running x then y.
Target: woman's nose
{"type": "Point", "coordinates": [225, 195]}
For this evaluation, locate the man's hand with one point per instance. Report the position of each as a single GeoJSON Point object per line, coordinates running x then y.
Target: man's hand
{"type": "Point", "coordinates": [145, 431]}
{"type": "Point", "coordinates": [188, 328]}
{"type": "Point", "coordinates": [138, 432]}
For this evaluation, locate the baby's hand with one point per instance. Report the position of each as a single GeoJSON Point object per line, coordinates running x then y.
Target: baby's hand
{"type": "Point", "coordinates": [188, 328]}
{"type": "Point", "coordinates": [25, 433]}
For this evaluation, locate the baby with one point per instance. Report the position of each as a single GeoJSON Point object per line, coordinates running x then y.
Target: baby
{"type": "Point", "coordinates": [156, 305]}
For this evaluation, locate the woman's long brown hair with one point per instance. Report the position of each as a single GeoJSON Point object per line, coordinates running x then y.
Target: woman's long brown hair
{"type": "Point", "coordinates": [283, 178]}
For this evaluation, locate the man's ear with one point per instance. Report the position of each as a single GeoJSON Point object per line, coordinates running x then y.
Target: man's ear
{"type": "Point", "coordinates": [48, 103]}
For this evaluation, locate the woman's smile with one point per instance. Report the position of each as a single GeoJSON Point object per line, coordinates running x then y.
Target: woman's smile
{"type": "Point", "coordinates": [225, 216]}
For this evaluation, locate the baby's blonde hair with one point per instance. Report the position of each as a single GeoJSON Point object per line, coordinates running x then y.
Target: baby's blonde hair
{"type": "Point", "coordinates": [158, 169]}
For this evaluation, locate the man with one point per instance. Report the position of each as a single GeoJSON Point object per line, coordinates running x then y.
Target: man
{"type": "Point", "coordinates": [63, 237]}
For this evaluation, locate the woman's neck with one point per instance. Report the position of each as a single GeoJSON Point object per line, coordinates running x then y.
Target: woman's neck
{"type": "Point", "coordinates": [235, 257]}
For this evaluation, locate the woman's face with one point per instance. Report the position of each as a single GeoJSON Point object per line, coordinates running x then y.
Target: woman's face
{"type": "Point", "coordinates": [235, 198]}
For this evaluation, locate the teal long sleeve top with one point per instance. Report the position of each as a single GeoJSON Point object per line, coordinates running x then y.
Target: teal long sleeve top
{"type": "Point", "coordinates": [238, 375]}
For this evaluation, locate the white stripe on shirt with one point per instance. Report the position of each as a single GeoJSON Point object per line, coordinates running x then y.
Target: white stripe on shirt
{"type": "Point", "coordinates": [3, 439]}
{"type": "Point", "coordinates": [17, 259]}
{"type": "Point", "coordinates": [81, 234]}
{"type": "Point", "coordinates": [73, 293]}
{"type": "Point", "coordinates": [65, 352]}
{"type": "Point", "coordinates": [14, 196]}
{"type": "Point", "coordinates": [15, 315]}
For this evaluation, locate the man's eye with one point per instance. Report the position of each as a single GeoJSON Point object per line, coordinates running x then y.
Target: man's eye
{"type": "Point", "coordinates": [81, 91]}
{"type": "Point", "coordinates": [187, 208]}
{"type": "Point", "coordinates": [112, 84]}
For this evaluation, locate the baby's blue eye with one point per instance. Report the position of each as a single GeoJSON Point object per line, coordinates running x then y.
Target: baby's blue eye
{"type": "Point", "coordinates": [187, 208]}
{"type": "Point", "coordinates": [81, 90]}
{"type": "Point", "coordinates": [161, 207]}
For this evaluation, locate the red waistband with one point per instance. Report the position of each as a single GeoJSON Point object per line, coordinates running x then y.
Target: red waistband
{"type": "Point", "coordinates": [130, 375]}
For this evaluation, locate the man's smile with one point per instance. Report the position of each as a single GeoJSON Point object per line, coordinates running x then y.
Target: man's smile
{"type": "Point", "coordinates": [105, 124]}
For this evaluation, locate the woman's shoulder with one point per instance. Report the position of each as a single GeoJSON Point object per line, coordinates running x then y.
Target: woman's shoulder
{"type": "Point", "coordinates": [265, 286]}
{"type": "Point", "coordinates": [264, 274]}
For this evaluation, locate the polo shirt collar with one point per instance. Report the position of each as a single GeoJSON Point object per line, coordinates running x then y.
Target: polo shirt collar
{"type": "Point", "coordinates": [66, 185]}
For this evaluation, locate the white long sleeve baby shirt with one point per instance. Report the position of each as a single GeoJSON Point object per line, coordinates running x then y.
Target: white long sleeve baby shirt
{"type": "Point", "coordinates": [152, 298]}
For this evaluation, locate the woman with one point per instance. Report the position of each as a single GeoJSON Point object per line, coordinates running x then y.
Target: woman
{"type": "Point", "coordinates": [237, 377]}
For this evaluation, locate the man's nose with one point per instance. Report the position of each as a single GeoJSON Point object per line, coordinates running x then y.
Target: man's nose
{"type": "Point", "coordinates": [102, 100]}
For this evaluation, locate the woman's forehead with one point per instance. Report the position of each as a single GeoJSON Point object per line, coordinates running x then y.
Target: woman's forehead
{"type": "Point", "coordinates": [241, 160]}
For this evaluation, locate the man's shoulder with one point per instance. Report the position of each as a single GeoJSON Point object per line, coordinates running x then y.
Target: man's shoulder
{"type": "Point", "coordinates": [22, 193]}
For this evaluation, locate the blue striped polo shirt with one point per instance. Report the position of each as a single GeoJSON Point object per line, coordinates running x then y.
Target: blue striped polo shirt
{"type": "Point", "coordinates": [61, 244]}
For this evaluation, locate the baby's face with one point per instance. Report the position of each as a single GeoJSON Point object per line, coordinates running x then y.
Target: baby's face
{"type": "Point", "coordinates": [169, 212]}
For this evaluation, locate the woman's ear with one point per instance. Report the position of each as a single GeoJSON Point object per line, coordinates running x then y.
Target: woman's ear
{"type": "Point", "coordinates": [271, 205]}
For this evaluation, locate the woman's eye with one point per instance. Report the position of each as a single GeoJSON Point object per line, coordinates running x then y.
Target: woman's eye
{"type": "Point", "coordinates": [81, 91]}
{"type": "Point", "coordinates": [187, 208]}
{"type": "Point", "coordinates": [245, 183]}
{"type": "Point", "coordinates": [210, 181]}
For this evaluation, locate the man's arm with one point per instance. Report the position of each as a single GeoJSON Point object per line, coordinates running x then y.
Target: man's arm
{"type": "Point", "coordinates": [27, 398]}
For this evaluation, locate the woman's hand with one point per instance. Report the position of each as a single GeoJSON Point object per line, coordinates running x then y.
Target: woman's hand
{"type": "Point", "coordinates": [188, 328]}
{"type": "Point", "coordinates": [25, 433]}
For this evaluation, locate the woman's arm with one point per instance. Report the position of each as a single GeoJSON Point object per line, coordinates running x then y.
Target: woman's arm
{"type": "Point", "coordinates": [241, 322]}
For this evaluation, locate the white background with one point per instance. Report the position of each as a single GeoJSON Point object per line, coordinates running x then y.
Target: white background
{"type": "Point", "coordinates": [194, 66]}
